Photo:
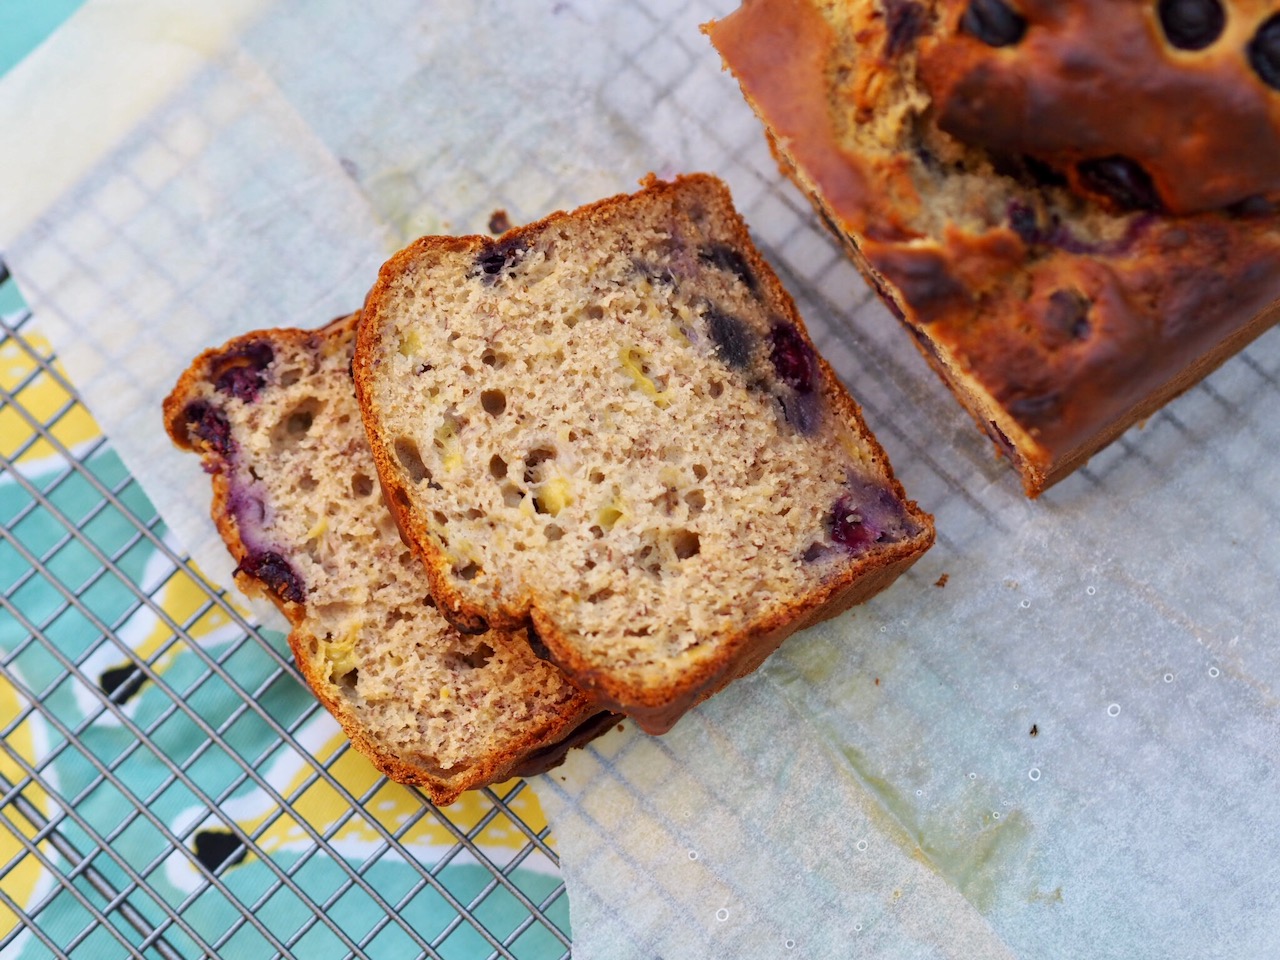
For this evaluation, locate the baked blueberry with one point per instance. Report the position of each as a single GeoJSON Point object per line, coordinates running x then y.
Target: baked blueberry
{"type": "Point", "coordinates": [724, 257]}
{"type": "Point", "coordinates": [1192, 24]}
{"type": "Point", "coordinates": [993, 22]}
{"type": "Point", "coordinates": [208, 423]}
{"type": "Point", "coordinates": [791, 357]}
{"type": "Point", "coordinates": [1120, 179]}
{"type": "Point", "coordinates": [733, 339]}
{"type": "Point", "coordinates": [1264, 52]}
{"type": "Point", "coordinates": [274, 570]}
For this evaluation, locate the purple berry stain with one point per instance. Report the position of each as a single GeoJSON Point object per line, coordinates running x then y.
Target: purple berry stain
{"type": "Point", "coordinates": [724, 257]}
{"type": "Point", "coordinates": [241, 374]}
{"type": "Point", "coordinates": [791, 357]}
{"type": "Point", "coordinates": [208, 423]}
{"type": "Point", "coordinates": [850, 528]}
{"type": "Point", "coordinates": [732, 337]}
{"type": "Point", "coordinates": [274, 570]}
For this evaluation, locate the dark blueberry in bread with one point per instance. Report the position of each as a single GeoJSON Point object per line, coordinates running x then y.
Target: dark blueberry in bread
{"type": "Point", "coordinates": [1067, 316]}
{"type": "Point", "coordinates": [850, 529]}
{"type": "Point", "coordinates": [1025, 223]}
{"type": "Point", "coordinates": [243, 383]}
{"type": "Point", "coordinates": [497, 257]}
{"type": "Point", "coordinates": [240, 372]}
{"type": "Point", "coordinates": [1264, 52]}
{"type": "Point", "coordinates": [209, 424]}
{"type": "Point", "coordinates": [274, 571]}
{"type": "Point", "coordinates": [792, 357]}
{"type": "Point", "coordinates": [1121, 180]}
{"type": "Point", "coordinates": [733, 339]}
{"type": "Point", "coordinates": [1192, 24]}
{"type": "Point", "coordinates": [906, 21]}
{"type": "Point", "coordinates": [724, 257]}
{"type": "Point", "coordinates": [993, 22]}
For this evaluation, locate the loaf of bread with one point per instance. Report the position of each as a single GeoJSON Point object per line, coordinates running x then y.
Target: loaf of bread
{"type": "Point", "coordinates": [1070, 206]}
{"type": "Point", "coordinates": [611, 427]}
{"type": "Point", "coordinates": [296, 498]}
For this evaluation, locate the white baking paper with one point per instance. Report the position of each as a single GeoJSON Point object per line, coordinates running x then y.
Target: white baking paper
{"type": "Point", "coordinates": [1057, 736]}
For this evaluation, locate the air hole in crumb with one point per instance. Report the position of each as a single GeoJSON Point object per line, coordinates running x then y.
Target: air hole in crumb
{"type": "Point", "coordinates": [491, 359]}
{"type": "Point", "coordinates": [479, 657]}
{"type": "Point", "coordinates": [600, 596]}
{"type": "Point", "coordinates": [716, 389]}
{"type": "Point", "coordinates": [596, 531]}
{"type": "Point", "coordinates": [535, 459]}
{"type": "Point", "coordinates": [700, 471]}
{"type": "Point", "coordinates": [296, 424]}
{"type": "Point", "coordinates": [552, 532]}
{"type": "Point", "coordinates": [405, 558]}
{"type": "Point", "coordinates": [497, 467]}
{"type": "Point", "coordinates": [686, 544]}
{"type": "Point", "coordinates": [493, 401]}
{"type": "Point", "coordinates": [467, 572]}
{"type": "Point", "coordinates": [511, 495]}
{"type": "Point", "coordinates": [307, 482]}
{"type": "Point", "coordinates": [474, 513]}
{"type": "Point", "coordinates": [696, 500]}
{"type": "Point", "coordinates": [290, 377]}
{"type": "Point", "coordinates": [595, 312]}
{"type": "Point", "coordinates": [361, 485]}
{"type": "Point", "coordinates": [410, 458]}
{"type": "Point", "coordinates": [543, 327]}
{"type": "Point", "coordinates": [440, 518]}
{"type": "Point", "coordinates": [429, 601]}
{"type": "Point", "coordinates": [596, 476]}
{"type": "Point", "coordinates": [347, 682]}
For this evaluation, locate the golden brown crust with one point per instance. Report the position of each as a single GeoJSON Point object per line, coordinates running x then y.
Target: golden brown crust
{"type": "Point", "coordinates": [1054, 345]}
{"type": "Point", "coordinates": [544, 746]}
{"type": "Point", "coordinates": [656, 708]}
{"type": "Point", "coordinates": [1095, 79]}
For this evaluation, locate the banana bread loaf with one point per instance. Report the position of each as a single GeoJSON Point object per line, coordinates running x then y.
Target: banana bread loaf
{"type": "Point", "coordinates": [296, 497]}
{"type": "Point", "coordinates": [611, 426]}
{"type": "Point", "coordinates": [1068, 205]}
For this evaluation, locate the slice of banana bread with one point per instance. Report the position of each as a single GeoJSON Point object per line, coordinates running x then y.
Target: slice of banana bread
{"type": "Point", "coordinates": [611, 425]}
{"type": "Point", "coordinates": [296, 497]}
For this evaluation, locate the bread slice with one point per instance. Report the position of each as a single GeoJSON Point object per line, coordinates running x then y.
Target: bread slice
{"type": "Point", "coordinates": [296, 497]}
{"type": "Point", "coordinates": [611, 426]}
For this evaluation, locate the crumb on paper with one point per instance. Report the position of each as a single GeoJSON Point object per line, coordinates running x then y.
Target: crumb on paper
{"type": "Point", "coordinates": [942, 580]}
{"type": "Point", "coordinates": [499, 222]}
{"type": "Point", "coordinates": [1035, 730]}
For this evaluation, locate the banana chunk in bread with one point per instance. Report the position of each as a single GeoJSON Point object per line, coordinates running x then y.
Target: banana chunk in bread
{"type": "Point", "coordinates": [297, 500]}
{"type": "Point", "coordinates": [611, 426]}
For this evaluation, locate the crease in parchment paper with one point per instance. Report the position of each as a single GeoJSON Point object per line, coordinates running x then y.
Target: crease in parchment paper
{"type": "Point", "coordinates": [1057, 735]}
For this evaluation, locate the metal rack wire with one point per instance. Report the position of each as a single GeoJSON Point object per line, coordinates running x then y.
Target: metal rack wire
{"type": "Point", "coordinates": [142, 713]}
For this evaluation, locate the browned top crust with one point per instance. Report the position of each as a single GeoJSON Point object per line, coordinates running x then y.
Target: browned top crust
{"type": "Point", "coordinates": [1067, 333]}
{"type": "Point", "coordinates": [1175, 88]}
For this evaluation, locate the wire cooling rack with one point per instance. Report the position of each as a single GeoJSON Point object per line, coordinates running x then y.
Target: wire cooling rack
{"type": "Point", "coordinates": [168, 787]}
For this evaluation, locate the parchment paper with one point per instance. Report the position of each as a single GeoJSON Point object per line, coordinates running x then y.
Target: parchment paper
{"type": "Point", "coordinates": [1057, 736]}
